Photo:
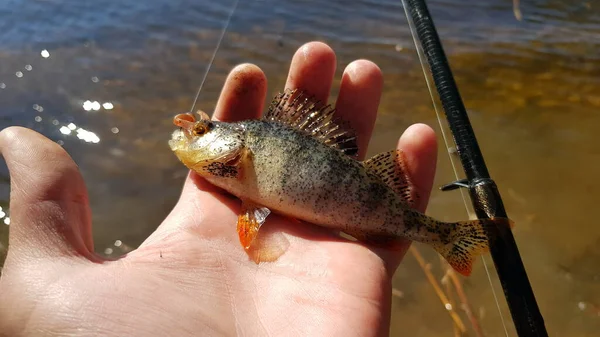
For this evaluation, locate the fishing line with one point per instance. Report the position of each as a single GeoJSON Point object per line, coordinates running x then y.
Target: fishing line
{"type": "Point", "coordinates": [447, 143]}
{"type": "Point", "coordinates": [212, 59]}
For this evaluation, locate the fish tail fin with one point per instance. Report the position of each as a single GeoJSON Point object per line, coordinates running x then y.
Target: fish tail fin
{"type": "Point", "coordinates": [467, 240]}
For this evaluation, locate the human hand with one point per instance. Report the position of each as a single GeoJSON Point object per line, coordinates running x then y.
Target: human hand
{"type": "Point", "coordinates": [191, 276]}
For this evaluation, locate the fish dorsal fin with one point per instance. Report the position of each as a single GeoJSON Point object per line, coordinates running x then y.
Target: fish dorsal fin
{"type": "Point", "coordinates": [390, 167]}
{"type": "Point", "coordinates": [302, 112]}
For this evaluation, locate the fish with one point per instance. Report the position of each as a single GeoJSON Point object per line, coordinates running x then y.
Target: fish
{"type": "Point", "coordinates": [300, 161]}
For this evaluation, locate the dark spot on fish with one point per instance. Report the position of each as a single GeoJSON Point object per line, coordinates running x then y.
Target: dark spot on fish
{"type": "Point", "coordinates": [222, 170]}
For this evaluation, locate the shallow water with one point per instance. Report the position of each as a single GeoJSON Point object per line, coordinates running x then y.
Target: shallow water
{"type": "Point", "coordinates": [532, 88]}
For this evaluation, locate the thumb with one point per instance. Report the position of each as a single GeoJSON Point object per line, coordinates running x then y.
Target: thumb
{"type": "Point", "coordinates": [50, 215]}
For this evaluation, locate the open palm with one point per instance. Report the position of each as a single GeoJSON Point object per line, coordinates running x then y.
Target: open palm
{"type": "Point", "coordinates": [191, 276]}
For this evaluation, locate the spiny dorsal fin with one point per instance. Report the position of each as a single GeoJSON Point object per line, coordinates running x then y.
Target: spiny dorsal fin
{"type": "Point", "coordinates": [302, 112]}
{"type": "Point", "coordinates": [390, 167]}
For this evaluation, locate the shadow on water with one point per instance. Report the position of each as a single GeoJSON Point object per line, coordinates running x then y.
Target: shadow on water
{"type": "Point", "coordinates": [120, 71]}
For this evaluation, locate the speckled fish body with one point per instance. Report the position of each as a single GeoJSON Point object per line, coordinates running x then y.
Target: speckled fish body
{"type": "Point", "coordinates": [295, 174]}
{"type": "Point", "coordinates": [298, 162]}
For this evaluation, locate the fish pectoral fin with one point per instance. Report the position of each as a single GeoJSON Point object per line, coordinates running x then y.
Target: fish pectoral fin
{"type": "Point", "coordinates": [391, 168]}
{"type": "Point", "coordinates": [250, 219]}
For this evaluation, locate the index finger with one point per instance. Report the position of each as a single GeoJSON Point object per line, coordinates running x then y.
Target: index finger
{"type": "Point", "coordinates": [243, 94]}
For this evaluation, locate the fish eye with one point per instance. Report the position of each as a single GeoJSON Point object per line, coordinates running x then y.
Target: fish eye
{"type": "Point", "coordinates": [202, 128]}
{"type": "Point", "coordinates": [199, 129]}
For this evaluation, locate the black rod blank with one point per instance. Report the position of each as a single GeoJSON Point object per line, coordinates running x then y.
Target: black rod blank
{"type": "Point", "coordinates": [484, 193]}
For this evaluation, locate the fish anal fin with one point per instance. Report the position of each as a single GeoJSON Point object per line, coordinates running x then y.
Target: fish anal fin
{"type": "Point", "coordinates": [295, 108]}
{"type": "Point", "coordinates": [390, 167]}
{"type": "Point", "coordinates": [250, 219]}
{"type": "Point", "coordinates": [465, 240]}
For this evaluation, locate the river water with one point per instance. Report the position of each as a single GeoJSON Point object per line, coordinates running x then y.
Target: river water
{"type": "Point", "coordinates": [531, 87]}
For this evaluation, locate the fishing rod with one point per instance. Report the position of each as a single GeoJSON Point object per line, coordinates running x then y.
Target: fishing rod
{"type": "Point", "coordinates": [483, 191]}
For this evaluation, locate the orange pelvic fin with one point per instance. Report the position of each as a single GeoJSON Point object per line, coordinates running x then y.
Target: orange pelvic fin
{"type": "Point", "coordinates": [250, 219]}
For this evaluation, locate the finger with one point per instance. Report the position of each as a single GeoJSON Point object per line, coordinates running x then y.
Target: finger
{"type": "Point", "coordinates": [49, 205]}
{"type": "Point", "coordinates": [312, 69]}
{"type": "Point", "coordinates": [419, 146]}
{"type": "Point", "coordinates": [358, 100]}
{"type": "Point", "coordinates": [243, 94]}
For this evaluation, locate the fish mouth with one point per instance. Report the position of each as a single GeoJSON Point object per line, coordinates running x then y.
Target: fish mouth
{"type": "Point", "coordinates": [182, 136]}
{"type": "Point", "coordinates": [179, 139]}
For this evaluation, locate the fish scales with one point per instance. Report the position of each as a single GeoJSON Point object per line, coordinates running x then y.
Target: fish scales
{"type": "Point", "coordinates": [297, 174]}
